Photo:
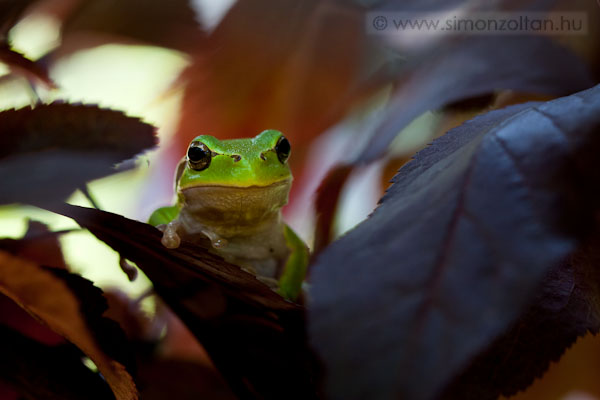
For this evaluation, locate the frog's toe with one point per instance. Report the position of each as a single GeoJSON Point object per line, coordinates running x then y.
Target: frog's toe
{"type": "Point", "coordinates": [170, 240]}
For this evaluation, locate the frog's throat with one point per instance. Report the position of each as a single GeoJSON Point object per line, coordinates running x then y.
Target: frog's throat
{"type": "Point", "coordinates": [232, 211]}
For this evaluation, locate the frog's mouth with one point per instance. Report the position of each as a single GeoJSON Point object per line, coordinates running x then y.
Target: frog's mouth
{"type": "Point", "coordinates": [234, 205]}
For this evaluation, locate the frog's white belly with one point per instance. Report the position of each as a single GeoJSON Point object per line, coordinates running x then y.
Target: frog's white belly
{"type": "Point", "coordinates": [263, 252]}
{"type": "Point", "coordinates": [244, 224]}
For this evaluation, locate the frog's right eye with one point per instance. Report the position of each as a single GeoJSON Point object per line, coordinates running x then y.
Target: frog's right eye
{"type": "Point", "coordinates": [198, 156]}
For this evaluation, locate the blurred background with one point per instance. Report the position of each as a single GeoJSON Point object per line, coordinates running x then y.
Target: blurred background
{"type": "Point", "coordinates": [355, 106]}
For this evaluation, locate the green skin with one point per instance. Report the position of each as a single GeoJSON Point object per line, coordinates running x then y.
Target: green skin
{"type": "Point", "coordinates": [236, 202]}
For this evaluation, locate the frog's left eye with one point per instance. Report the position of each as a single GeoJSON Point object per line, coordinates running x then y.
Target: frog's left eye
{"type": "Point", "coordinates": [198, 156]}
{"type": "Point", "coordinates": [283, 148]}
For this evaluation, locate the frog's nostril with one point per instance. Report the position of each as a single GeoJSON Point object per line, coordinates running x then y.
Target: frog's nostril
{"type": "Point", "coordinates": [263, 157]}
{"type": "Point", "coordinates": [236, 157]}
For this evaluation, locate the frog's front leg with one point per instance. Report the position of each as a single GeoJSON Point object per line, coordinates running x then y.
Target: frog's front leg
{"type": "Point", "coordinates": [171, 238]}
{"type": "Point", "coordinates": [166, 219]}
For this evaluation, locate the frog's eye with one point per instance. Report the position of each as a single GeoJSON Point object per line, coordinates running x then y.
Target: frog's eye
{"type": "Point", "coordinates": [198, 156]}
{"type": "Point", "coordinates": [283, 148]}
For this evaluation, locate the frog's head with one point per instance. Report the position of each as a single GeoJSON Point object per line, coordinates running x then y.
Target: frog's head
{"type": "Point", "coordinates": [259, 161]}
{"type": "Point", "coordinates": [222, 175]}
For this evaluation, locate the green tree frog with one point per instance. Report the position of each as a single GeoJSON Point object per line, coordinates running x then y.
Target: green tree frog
{"type": "Point", "coordinates": [232, 191]}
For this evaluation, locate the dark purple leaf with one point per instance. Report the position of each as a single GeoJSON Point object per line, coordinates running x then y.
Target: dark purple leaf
{"type": "Point", "coordinates": [471, 70]}
{"type": "Point", "coordinates": [474, 67]}
{"type": "Point", "coordinates": [454, 253]}
{"type": "Point", "coordinates": [50, 150]}
{"type": "Point", "coordinates": [565, 308]}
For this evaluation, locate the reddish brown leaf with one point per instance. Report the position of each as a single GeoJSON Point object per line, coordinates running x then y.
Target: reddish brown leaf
{"type": "Point", "coordinates": [94, 22]}
{"type": "Point", "coordinates": [127, 312]}
{"type": "Point", "coordinates": [38, 371]}
{"type": "Point", "coordinates": [218, 301]}
{"type": "Point", "coordinates": [181, 380]}
{"type": "Point", "coordinates": [293, 66]}
{"type": "Point", "coordinates": [14, 317]}
{"type": "Point", "coordinates": [43, 248]}
{"type": "Point", "coordinates": [189, 259]}
{"type": "Point", "coordinates": [52, 301]}
{"type": "Point", "coordinates": [8, 392]}
{"type": "Point", "coordinates": [39, 245]}
{"type": "Point", "coordinates": [326, 203]}
{"type": "Point", "coordinates": [328, 196]}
